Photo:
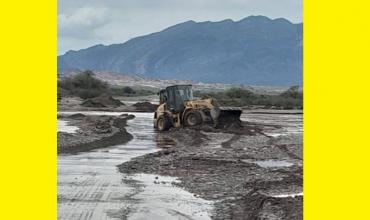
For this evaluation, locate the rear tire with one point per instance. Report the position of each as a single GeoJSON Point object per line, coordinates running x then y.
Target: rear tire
{"type": "Point", "coordinates": [163, 123]}
{"type": "Point", "coordinates": [192, 118]}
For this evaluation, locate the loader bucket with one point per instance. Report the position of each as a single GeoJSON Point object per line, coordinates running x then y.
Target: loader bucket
{"type": "Point", "coordinates": [225, 116]}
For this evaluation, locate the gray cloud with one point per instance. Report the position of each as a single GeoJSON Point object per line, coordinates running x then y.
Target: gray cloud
{"type": "Point", "coordinates": [83, 23]}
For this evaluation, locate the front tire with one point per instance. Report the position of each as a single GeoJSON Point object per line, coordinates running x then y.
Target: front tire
{"type": "Point", "coordinates": [163, 123]}
{"type": "Point", "coordinates": [192, 118]}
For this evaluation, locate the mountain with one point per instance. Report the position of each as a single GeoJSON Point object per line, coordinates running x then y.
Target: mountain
{"type": "Point", "coordinates": [255, 50]}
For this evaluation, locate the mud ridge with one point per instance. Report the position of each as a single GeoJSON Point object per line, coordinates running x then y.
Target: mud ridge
{"type": "Point", "coordinates": [94, 132]}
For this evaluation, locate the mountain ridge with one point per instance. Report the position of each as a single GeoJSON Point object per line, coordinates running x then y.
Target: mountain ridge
{"type": "Point", "coordinates": [254, 50]}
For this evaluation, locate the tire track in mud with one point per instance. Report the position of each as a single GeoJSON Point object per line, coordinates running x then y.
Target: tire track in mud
{"type": "Point", "coordinates": [89, 196]}
{"type": "Point", "coordinates": [283, 148]}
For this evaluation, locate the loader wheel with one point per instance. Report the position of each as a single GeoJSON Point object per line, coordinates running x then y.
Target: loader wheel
{"type": "Point", "coordinates": [163, 123]}
{"type": "Point", "coordinates": [192, 118]}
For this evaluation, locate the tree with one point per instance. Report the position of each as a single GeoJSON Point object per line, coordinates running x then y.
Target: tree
{"type": "Point", "coordinates": [84, 85]}
{"type": "Point", "coordinates": [128, 90]}
{"type": "Point", "coordinates": [292, 92]}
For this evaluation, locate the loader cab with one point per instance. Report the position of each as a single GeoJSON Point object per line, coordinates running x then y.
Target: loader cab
{"type": "Point", "coordinates": [162, 96]}
{"type": "Point", "coordinates": [175, 96]}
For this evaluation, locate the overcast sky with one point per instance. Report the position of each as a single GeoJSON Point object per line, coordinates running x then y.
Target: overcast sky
{"type": "Point", "coordinates": [84, 23]}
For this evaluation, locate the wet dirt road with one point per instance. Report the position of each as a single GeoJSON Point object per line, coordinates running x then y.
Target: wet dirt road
{"type": "Point", "coordinates": [90, 186]}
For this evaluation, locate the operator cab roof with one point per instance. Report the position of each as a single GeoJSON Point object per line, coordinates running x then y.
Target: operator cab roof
{"type": "Point", "coordinates": [178, 85]}
{"type": "Point", "coordinates": [168, 87]}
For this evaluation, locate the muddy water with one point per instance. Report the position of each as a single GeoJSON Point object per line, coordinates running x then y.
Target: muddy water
{"type": "Point", "coordinates": [90, 186]}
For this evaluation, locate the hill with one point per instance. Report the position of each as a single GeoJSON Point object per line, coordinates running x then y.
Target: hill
{"type": "Point", "coordinates": [255, 50]}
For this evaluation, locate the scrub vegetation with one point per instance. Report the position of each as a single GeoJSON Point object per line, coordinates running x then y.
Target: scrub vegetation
{"type": "Point", "coordinates": [85, 85]}
{"type": "Point", "coordinates": [290, 99]}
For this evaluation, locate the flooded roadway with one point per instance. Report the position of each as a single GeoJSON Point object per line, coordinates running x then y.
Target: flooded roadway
{"type": "Point", "coordinates": [90, 186]}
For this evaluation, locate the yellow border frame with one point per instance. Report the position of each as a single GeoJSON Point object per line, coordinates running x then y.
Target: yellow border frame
{"type": "Point", "coordinates": [28, 164]}
{"type": "Point", "coordinates": [336, 117]}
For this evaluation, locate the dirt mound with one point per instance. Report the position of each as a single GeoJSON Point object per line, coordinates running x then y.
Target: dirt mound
{"type": "Point", "coordinates": [145, 106]}
{"type": "Point", "coordinates": [102, 101]}
{"type": "Point", "coordinates": [77, 116]}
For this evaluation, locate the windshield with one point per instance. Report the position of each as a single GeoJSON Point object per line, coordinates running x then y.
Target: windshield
{"type": "Point", "coordinates": [185, 93]}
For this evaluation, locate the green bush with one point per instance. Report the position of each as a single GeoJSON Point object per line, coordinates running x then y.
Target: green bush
{"type": "Point", "coordinates": [293, 92]}
{"type": "Point", "coordinates": [239, 93]}
{"type": "Point", "coordinates": [84, 85]}
{"type": "Point", "coordinates": [128, 91]}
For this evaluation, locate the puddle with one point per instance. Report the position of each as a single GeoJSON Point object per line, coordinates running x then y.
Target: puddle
{"type": "Point", "coordinates": [288, 195]}
{"type": "Point", "coordinates": [270, 163]}
{"type": "Point", "coordinates": [64, 127]}
{"type": "Point", "coordinates": [90, 186]}
{"type": "Point", "coordinates": [160, 200]}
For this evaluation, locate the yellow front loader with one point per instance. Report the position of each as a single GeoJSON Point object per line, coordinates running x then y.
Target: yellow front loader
{"type": "Point", "coordinates": [178, 108]}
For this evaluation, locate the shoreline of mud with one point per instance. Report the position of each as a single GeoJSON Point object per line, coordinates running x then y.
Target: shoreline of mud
{"type": "Point", "coordinates": [223, 166]}
{"type": "Point", "coordinates": [94, 132]}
